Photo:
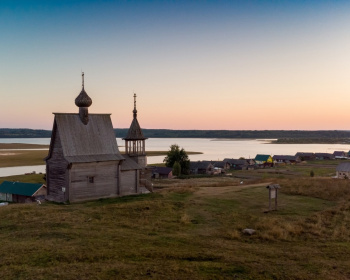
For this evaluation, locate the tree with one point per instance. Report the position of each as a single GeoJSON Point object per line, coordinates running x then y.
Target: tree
{"type": "Point", "coordinates": [175, 154]}
{"type": "Point", "coordinates": [176, 169]}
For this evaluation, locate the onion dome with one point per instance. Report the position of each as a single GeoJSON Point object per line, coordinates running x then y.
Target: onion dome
{"type": "Point", "coordinates": [83, 100]}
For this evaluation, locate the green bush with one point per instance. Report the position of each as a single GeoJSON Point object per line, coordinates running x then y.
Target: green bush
{"type": "Point", "coordinates": [176, 169]}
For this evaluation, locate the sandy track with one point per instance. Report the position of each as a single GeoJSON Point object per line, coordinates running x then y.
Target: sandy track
{"type": "Point", "coordinates": [220, 191]}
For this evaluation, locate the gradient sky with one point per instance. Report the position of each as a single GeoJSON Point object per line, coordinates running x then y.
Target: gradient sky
{"type": "Point", "coordinates": [193, 64]}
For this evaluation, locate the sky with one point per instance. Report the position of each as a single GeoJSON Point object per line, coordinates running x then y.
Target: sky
{"type": "Point", "coordinates": [233, 65]}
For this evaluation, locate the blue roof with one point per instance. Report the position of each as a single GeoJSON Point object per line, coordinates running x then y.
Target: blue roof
{"type": "Point", "coordinates": [27, 189]}
{"type": "Point", "coordinates": [262, 157]}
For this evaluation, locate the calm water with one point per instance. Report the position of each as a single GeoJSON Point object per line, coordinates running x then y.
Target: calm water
{"type": "Point", "coordinates": [212, 149]}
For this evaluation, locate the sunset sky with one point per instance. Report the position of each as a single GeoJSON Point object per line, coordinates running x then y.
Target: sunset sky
{"type": "Point", "coordinates": [193, 64]}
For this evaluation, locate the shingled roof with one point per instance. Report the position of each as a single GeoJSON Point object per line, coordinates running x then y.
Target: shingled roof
{"type": "Point", "coordinates": [94, 141]}
{"type": "Point", "coordinates": [135, 131]}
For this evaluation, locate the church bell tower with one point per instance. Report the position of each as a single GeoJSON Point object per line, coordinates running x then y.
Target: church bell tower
{"type": "Point", "coordinates": [135, 141]}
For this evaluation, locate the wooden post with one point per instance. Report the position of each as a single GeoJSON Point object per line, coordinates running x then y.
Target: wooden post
{"type": "Point", "coordinates": [276, 190]}
{"type": "Point", "coordinates": [273, 191]}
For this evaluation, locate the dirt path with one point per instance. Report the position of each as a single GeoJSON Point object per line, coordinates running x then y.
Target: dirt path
{"type": "Point", "coordinates": [221, 191]}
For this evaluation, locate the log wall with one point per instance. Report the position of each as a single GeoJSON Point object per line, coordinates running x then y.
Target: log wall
{"type": "Point", "coordinates": [57, 176]}
{"type": "Point", "coordinates": [129, 181]}
{"type": "Point", "coordinates": [104, 176]}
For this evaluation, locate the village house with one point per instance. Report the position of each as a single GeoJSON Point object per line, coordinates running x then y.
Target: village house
{"type": "Point", "coordinates": [21, 192]}
{"type": "Point", "coordinates": [162, 172]}
{"type": "Point", "coordinates": [223, 165]}
{"type": "Point", "coordinates": [340, 155]}
{"type": "Point", "coordinates": [323, 156]}
{"type": "Point", "coordinates": [343, 170]}
{"type": "Point", "coordinates": [286, 159]}
{"type": "Point", "coordinates": [305, 156]}
{"type": "Point", "coordinates": [263, 160]}
{"type": "Point", "coordinates": [84, 161]}
{"type": "Point", "coordinates": [201, 167]}
{"type": "Point", "coordinates": [237, 164]}
{"type": "Point", "coordinates": [250, 161]}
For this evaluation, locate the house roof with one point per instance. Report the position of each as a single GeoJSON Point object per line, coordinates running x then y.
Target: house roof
{"type": "Point", "coordinates": [324, 155]}
{"type": "Point", "coordinates": [282, 157]}
{"type": "Point", "coordinates": [220, 164]}
{"type": "Point", "coordinates": [339, 153]}
{"type": "Point", "coordinates": [200, 164]}
{"type": "Point", "coordinates": [343, 167]}
{"type": "Point", "coordinates": [26, 189]}
{"type": "Point", "coordinates": [236, 161]}
{"type": "Point", "coordinates": [301, 154]}
{"type": "Point", "coordinates": [94, 141]}
{"type": "Point", "coordinates": [262, 157]}
{"type": "Point", "coordinates": [162, 170]}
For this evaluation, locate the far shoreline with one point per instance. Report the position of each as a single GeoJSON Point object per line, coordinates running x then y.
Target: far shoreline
{"type": "Point", "coordinates": [343, 141]}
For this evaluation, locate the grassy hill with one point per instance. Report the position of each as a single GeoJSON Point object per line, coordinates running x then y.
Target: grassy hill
{"type": "Point", "coordinates": [187, 229]}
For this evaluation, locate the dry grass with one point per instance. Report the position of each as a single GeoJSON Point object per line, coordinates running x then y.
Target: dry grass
{"type": "Point", "coordinates": [30, 178]}
{"type": "Point", "coordinates": [218, 181]}
{"type": "Point", "coordinates": [325, 188]}
{"type": "Point", "coordinates": [12, 158]}
{"type": "Point", "coordinates": [15, 157]}
{"type": "Point", "coordinates": [188, 229]}
{"type": "Point", "coordinates": [13, 146]}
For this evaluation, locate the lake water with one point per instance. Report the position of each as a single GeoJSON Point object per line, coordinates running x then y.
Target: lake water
{"type": "Point", "coordinates": [212, 149]}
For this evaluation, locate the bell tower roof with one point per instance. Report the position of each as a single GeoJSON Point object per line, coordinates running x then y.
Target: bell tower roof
{"type": "Point", "coordinates": [135, 131]}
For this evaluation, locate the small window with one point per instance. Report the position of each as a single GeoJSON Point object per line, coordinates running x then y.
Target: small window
{"type": "Point", "coordinates": [91, 179]}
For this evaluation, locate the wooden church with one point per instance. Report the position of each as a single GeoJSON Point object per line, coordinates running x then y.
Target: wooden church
{"type": "Point", "coordinates": [84, 161]}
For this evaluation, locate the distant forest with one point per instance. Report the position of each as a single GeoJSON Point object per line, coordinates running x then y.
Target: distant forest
{"type": "Point", "coordinates": [168, 133]}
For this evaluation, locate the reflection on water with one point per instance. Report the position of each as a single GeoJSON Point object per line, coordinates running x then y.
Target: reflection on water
{"type": "Point", "coordinates": [212, 150]}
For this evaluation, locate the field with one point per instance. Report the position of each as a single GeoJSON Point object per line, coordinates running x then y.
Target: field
{"type": "Point", "coordinates": [187, 229]}
{"type": "Point", "coordinates": [12, 146]}
{"type": "Point", "coordinates": [12, 154]}
{"type": "Point", "coordinates": [10, 158]}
